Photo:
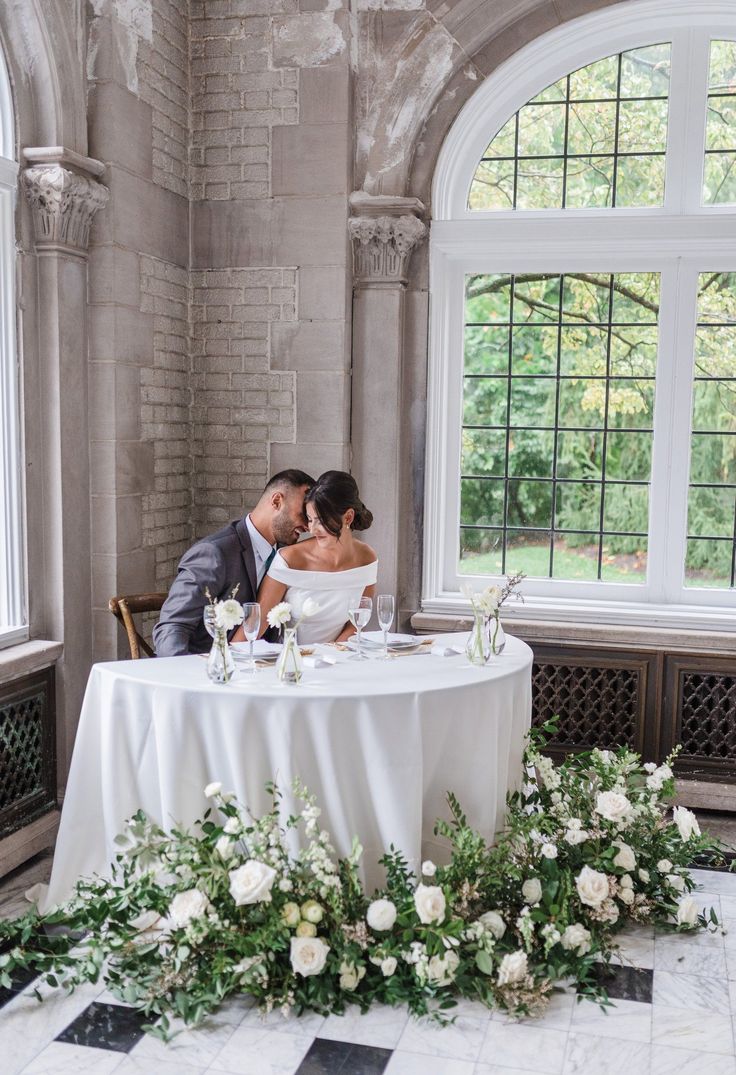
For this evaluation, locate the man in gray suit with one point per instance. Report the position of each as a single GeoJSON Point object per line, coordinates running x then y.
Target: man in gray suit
{"type": "Point", "coordinates": [239, 554]}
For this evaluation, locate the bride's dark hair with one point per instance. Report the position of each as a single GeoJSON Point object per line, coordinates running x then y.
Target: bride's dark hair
{"type": "Point", "coordinates": [332, 495]}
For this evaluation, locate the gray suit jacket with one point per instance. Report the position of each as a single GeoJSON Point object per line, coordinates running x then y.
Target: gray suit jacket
{"type": "Point", "coordinates": [216, 562]}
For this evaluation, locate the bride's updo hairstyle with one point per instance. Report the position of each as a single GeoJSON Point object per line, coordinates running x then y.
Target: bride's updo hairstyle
{"type": "Point", "coordinates": [332, 495]}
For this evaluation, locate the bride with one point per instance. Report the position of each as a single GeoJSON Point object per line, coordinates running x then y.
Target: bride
{"type": "Point", "coordinates": [334, 567]}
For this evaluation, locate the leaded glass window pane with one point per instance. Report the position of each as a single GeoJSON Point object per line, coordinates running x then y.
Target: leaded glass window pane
{"type": "Point", "coordinates": [719, 178]}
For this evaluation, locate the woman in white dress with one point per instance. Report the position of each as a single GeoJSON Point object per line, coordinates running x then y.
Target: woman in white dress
{"type": "Point", "coordinates": [334, 567]}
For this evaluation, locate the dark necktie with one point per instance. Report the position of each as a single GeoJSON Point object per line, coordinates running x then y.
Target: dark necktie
{"type": "Point", "coordinates": [269, 561]}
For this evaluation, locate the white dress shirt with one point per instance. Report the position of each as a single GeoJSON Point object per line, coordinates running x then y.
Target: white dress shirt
{"type": "Point", "coordinates": [261, 548]}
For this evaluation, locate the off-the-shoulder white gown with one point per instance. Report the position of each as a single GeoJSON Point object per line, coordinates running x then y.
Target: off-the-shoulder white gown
{"type": "Point", "coordinates": [332, 590]}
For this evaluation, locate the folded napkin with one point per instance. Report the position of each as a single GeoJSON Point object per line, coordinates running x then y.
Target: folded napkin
{"type": "Point", "coordinates": [319, 660]}
{"type": "Point", "coordinates": [440, 650]}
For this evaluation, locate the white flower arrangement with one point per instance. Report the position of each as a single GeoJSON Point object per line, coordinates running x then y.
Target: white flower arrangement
{"type": "Point", "coordinates": [192, 918]}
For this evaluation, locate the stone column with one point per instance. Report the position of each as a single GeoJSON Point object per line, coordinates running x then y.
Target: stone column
{"type": "Point", "coordinates": [384, 231]}
{"type": "Point", "coordinates": [62, 190]}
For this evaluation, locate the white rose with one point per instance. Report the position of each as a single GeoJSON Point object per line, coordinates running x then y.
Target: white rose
{"type": "Point", "coordinates": [350, 975]}
{"type": "Point", "coordinates": [676, 882]}
{"type": "Point", "coordinates": [381, 915]}
{"type": "Point", "coordinates": [308, 955]}
{"type": "Point", "coordinates": [613, 806]}
{"type": "Point", "coordinates": [306, 929]}
{"type": "Point", "coordinates": [575, 836]}
{"type": "Point", "coordinates": [388, 966]}
{"type": "Point", "coordinates": [213, 789]}
{"type": "Point", "coordinates": [626, 881]}
{"type": "Point", "coordinates": [626, 895]}
{"type": "Point", "coordinates": [513, 968]}
{"type": "Point", "coordinates": [252, 883]}
{"type": "Point", "coordinates": [312, 911]}
{"type": "Point", "coordinates": [430, 903]}
{"type": "Point", "coordinates": [492, 921]}
{"type": "Point", "coordinates": [625, 858]}
{"type": "Point", "coordinates": [228, 614]}
{"type": "Point", "coordinates": [531, 890]}
{"type": "Point", "coordinates": [687, 911]}
{"type": "Point", "coordinates": [149, 926]}
{"type": "Point", "coordinates": [186, 906]}
{"type": "Point", "coordinates": [279, 615]}
{"type": "Point", "coordinates": [309, 608]}
{"type": "Point", "coordinates": [592, 887]}
{"type": "Point", "coordinates": [291, 915]}
{"type": "Point", "coordinates": [428, 868]}
{"type": "Point", "coordinates": [442, 969]}
{"type": "Point", "coordinates": [687, 823]}
{"type": "Point", "coordinates": [644, 876]}
{"type": "Point", "coordinates": [225, 847]}
{"type": "Point", "coordinates": [232, 826]}
{"type": "Point", "coordinates": [549, 851]}
{"type": "Point", "coordinates": [664, 865]}
{"type": "Point", "coordinates": [576, 938]}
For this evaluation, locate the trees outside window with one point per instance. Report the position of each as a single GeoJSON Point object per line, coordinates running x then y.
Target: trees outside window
{"type": "Point", "coordinates": [582, 416]}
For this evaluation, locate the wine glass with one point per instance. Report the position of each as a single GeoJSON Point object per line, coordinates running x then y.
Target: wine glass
{"type": "Point", "coordinates": [251, 628]}
{"type": "Point", "coordinates": [385, 611]}
{"type": "Point", "coordinates": [359, 613]}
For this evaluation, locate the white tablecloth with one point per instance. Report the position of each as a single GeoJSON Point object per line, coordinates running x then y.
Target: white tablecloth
{"type": "Point", "coordinates": [379, 742]}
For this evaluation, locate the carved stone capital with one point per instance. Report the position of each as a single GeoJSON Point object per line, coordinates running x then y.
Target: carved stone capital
{"type": "Point", "coordinates": [63, 204]}
{"type": "Point", "coordinates": [384, 232]}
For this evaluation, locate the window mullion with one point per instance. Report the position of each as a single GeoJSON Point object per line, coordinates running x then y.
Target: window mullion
{"type": "Point", "coordinates": [690, 92]}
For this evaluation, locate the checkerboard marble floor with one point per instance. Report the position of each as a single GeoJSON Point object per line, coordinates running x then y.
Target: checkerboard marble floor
{"type": "Point", "coordinates": [673, 1016]}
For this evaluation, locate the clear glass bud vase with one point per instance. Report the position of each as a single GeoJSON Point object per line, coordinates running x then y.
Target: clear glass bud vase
{"type": "Point", "coordinates": [496, 634]}
{"type": "Point", "coordinates": [478, 647]}
{"type": "Point", "coordinates": [220, 663]}
{"type": "Point", "coordinates": [289, 667]}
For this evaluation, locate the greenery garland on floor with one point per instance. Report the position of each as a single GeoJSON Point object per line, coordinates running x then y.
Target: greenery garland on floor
{"type": "Point", "coordinates": [190, 919]}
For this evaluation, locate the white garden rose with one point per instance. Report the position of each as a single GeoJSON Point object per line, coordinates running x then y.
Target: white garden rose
{"type": "Point", "coordinates": [664, 865]}
{"type": "Point", "coordinates": [687, 823]}
{"type": "Point", "coordinates": [442, 969]}
{"type": "Point", "coordinates": [306, 929]}
{"type": "Point", "coordinates": [225, 847]}
{"type": "Point", "coordinates": [291, 915]}
{"type": "Point", "coordinates": [513, 968]}
{"type": "Point", "coordinates": [549, 851]}
{"type": "Point", "coordinates": [531, 890]}
{"type": "Point", "coordinates": [644, 876]}
{"type": "Point", "coordinates": [625, 858]}
{"type": "Point", "coordinates": [626, 881]}
{"type": "Point", "coordinates": [626, 895]}
{"type": "Point", "coordinates": [308, 955]}
{"type": "Point", "coordinates": [658, 776]}
{"type": "Point", "coordinates": [228, 614]}
{"type": "Point", "coordinates": [149, 926]}
{"type": "Point", "coordinates": [187, 906]}
{"type": "Point", "coordinates": [576, 938]}
{"type": "Point", "coordinates": [213, 789]}
{"type": "Point", "coordinates": [381, 915]}
{"type": "Point", "coordinates": [428, 868]}
{"type": "Point", "coordinates": [279, 615]}
{"type": "Point", "coordinates": [493, 922]}
{"type": "Point", "coordinates": [430, 903]}
{"type": "Point", "coordinates": [575, 836]}
{"type": "Point", "coordinates": [350, 975]}
{"type": "Point", "coordinates": [687, 912]}
{"type": "Point", "coordinates": [252, 883]}
{"type": "Point", "coordinates": [592, 887]}
{"type": "Point", "coordinates": [676, 882]}
{"type": "Point", "coordinates": [232, 826]}
{"type": "Point", "coordinates": [388, 966]}
{"type": "Point", "coordinates": [613, 806]}
{"type": "Point", "coordinates": [312, 911]}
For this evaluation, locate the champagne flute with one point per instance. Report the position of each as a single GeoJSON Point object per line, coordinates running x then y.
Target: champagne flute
{"type": "Point", "coordinates": [385, 610]}
{"type": "Point", "coordinates": [251, 628]}
{"type": "Point", "coordinates": [359, 613]}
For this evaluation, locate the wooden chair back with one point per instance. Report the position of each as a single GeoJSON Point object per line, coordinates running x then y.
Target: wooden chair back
{"type": "Point", "coordinates": [125, 607]}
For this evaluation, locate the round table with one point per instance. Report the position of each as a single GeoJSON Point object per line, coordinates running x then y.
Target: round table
{"type": "Point", "coordinates": [379, 743]}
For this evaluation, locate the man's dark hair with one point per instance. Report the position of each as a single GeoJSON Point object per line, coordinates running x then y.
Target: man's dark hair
{"type": "Point", "coordinates": [294, 478]}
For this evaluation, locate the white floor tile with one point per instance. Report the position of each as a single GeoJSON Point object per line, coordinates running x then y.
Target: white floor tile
{"type": "Point", "coordinates": [590, 1055]}
{"type": "Point", "coordinates": [690, 991]}
{"type": "Point", "coordinates": [493, 1069]}
{"type": "Point", "coordinates": [142, 1066]}
{"type": "Point", "coordinates": [402, 1063]}
{"type": "Point", "coordinates": [628, 1020]}
{"type": "Point", "coordinates": [703, 956]}
{"type": "Point", "coordinates": [309, 1024]}
{"type": "Point", "coordinates": [557, 1015]}
{"type": "Point", "coordinates": [524, 1046]}
{"type": "Point", "coordinates": [723, 884]}
{"type": "Point", "coordinates": [195, 1047]}
{"type": "Point", "coordinates": [686, 1029]}
{"type": "Point", "coordinates": [670, 1061]}
{"type": "Point", "coordinates": [251, 1051]}
{"type": "Point", "coordinates": [635, 947]}
{"type": "Point", "coordinates": [62, 1059]}
{"type": "Point", "coordinates": [381, 1026]}
{"type": "Point", "coordinates": [460, 1040]}
{"type": "Point", "coordinates": [27, 1027]}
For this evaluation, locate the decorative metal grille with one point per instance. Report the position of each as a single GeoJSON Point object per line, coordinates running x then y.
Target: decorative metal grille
{"type": "Point", "coordinates": [708, 709]}
{"type": "Point", "coordinates": [27, 751]}
{"type": "Point", "coordinates": [595, 706]}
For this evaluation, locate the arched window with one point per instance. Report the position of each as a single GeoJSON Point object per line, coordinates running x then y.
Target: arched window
{"type": "Point", "coordinates": [12, 581]}
{"type": "Point", "coordinates": [582, 395]}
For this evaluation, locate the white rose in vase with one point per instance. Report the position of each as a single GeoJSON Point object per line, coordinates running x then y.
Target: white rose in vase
{"type": "Point", "coordinates": [430, 904]}
{"type": "Point", "coordinates": [252, 883]}
{"type": "Point", "coordinates": [513, 968]}
{"type": "Point", "coordinates": [308, 955]}
{"type": "Point", "coordinates": [592, 887]}
{"type": "Point", "coordinates": [187, 906]}
{"type": "Point", "coordinates": [381, 915]}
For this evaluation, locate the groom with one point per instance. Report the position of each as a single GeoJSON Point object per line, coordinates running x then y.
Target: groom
{"type": "Point", "coordinates": [238, 554]}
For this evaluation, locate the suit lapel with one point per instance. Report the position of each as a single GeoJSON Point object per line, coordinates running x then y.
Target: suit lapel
{"type": "Point", "coordinates": [248, 556]}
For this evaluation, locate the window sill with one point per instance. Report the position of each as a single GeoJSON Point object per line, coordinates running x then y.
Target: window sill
{"type": "Point", "coordinates": [625, 637]}
{"type": "Point", "coordinates": [28, 657]}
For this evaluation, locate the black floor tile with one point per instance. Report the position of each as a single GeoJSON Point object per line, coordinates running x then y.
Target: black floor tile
{"type": "Point", "coordinates": [106, 1026]}
{"type": "Point", "coordinates": [20, 979]}
{"type": "Point", "coordinates": [625, 983]}
{"type": "Point", "coordinates": [343, 1058]}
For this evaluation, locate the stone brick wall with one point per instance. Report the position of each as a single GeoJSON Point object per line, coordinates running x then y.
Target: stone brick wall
{"type": "Point", "coordinates": [163, 73]}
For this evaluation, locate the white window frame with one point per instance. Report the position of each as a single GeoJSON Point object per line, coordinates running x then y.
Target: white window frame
{"type": "Point", "coordinates": [13, 617]}
{"type": "Point", "coordinates": [678, 240]}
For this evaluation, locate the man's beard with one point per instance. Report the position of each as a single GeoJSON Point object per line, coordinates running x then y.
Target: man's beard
{"type": "Point", "coordinates": [284, 529]}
